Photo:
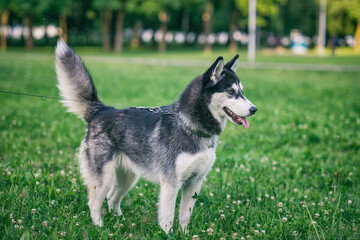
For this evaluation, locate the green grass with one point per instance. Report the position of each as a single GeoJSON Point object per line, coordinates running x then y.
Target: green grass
{"type": "Point", "coordinates": [302, 149]}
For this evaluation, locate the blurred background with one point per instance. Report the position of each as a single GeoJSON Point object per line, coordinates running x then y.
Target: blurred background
{"type": "Point", "coordinates": [114, 25]}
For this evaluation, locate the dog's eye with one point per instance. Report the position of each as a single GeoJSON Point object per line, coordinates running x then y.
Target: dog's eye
{"type": "Point", "coordinates": [231, 91]}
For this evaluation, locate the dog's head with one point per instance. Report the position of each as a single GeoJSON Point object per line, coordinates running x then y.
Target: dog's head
{"type": "Point", "coordinates": [226, 91]}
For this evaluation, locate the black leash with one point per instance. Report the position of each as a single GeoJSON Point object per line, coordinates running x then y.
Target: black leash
{"type": "Point", "coordinates": [198, 133]}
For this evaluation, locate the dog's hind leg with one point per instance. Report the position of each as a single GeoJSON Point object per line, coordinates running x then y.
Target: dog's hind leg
{"type": "Point", "coordinates": [187, 200]}
{"type": "Point", "coordinates": [98, 192]}
{"type": "Point", "coordinates": [124, 180]}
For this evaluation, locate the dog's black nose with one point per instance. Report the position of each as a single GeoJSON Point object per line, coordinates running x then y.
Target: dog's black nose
{"type": "Point", "coordinates": [253, 110]}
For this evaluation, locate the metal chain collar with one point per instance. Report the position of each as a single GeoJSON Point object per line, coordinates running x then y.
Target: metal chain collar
{"type": "Point", "coordinates": [198, 133]}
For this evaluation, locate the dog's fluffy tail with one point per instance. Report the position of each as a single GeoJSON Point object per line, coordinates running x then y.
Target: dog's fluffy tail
{"type": "Point", "coordinates": [75, 84]}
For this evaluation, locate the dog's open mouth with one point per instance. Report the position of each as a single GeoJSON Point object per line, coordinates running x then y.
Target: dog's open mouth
{"type": "Point", "coordinates": [236, 119]}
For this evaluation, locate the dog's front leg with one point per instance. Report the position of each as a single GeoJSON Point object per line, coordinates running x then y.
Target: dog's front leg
{"type": "Point", "coordinates": [187, 200]}
{"type": "Point", "coordinates": [167, 199]}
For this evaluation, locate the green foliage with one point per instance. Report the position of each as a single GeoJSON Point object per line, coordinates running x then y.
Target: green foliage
{"type": "Point", "coordinates": [353, 8]}
{"type": "Point", "coordinates": [153, 8]}
{"type": "Point", "coordinates": [110, 4]}
{"type": "Point", "coordinates": [35, 7]}
{"type": "Point", "coordinates": [338, 20]}
{"type": "Point", "coordinates": [264, 8]}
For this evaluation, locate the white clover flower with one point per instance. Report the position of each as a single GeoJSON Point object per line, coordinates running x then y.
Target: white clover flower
{"type": "Point", "coordinates": [256, 232]}
{"type": "Point", "coordinates": [33, 210]}
{"type": "Point", "coordinates": [45, 223]}
{"type": "Point", "coordinates": [62, 172]}
{"type": "Point", "coordinates": [63, 234]}
{"type": "Point", "coordinates": [349, 202]}
{"type": "Point", "coordinates": [228, 196]}
{"type": "Point", "coordinates": [284, 219]}
{"type": "Point", "coordinates": [317, 215]}
{"type": "Point", "coordinates": [280, 204]}
{"type": "Point", "coordinates": [57, 190]}
{"type": "Point", "coordinates": [313, 222]}
{"type": "Point", "coordinates": [267, 195]}
{"type": "Point", "coordinates": [295, 190]}
{"type": "Point", "coordinates": [211, 194]}
{"type": "Point", "coordinates": [272, 198]}
{"type": "Point", "coordinates": [222, 216]}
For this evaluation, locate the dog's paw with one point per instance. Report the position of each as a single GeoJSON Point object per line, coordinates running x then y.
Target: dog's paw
{"type": "Point", "coordinates": [98, 222]}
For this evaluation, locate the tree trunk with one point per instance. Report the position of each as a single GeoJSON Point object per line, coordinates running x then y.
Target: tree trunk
{"type": "Point", "coordinates": [29, 43]}
{"type": "Point", "coordinates": [135, 35]}
{"type": "Point", "coordinates": [106, 17]}
{"type": "Point", "coordinates": [164, 19]}
{"type": "Point", "coordinates": [207, 20]}
{"type": "Point", "coordinates": [4, 22]}
{"type": "Point", "coordinates": [233, 27]}
{"type": "Point", "coordinates": [63, 26]}
{"type": "Point", "coordinates": [185, 21]}
{"type": "Point", "coordinates": [357, 38]}
{"type": "Point", "coordinates": [118, 42]}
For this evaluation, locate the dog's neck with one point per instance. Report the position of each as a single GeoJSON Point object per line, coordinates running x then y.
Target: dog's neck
{"type": "Point", "coordinates": [194, 108]}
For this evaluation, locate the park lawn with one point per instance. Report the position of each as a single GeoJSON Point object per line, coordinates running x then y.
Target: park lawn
{"type": "Point", "coordinates": [297, 163]}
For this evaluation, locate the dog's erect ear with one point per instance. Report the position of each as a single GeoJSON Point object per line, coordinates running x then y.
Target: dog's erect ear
{"type": "Point", "coordinates": [214, 72]}
{"type": "Point", "coordinates": [232, 64]}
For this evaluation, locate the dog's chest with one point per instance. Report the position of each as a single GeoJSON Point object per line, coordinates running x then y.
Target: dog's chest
{"type": "Point", "coordinates": [191, 165]}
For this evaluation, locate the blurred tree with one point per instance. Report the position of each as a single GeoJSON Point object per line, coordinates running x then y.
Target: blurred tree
{"type": "Point", "coordinates": [161, 8]}
{"type": "Point", "coordinates": [264, 9]}
{"type": "Point", "coordinates": [64, 8]}
{"type": "Point", "coordinates": [353, 9]}
{"type": "Point", "coordinates": [5, 12]}
{"type": "Point", "coordinates": [105, 8]}
{"type": "Point", "coordinates": [119, 26]}
{"type": "Point", "coordinates": [207, 17]}
{"type": "Point", "coordinates": [301, 15]}
{"type": "Point", "coordinates": [30, 11]}
{"type": "Point", "coordinates": [338, 21]}
{"type": "Point", "coordinates": [189, 8]}
{"type": "Point", "coordinates": [234, 25]}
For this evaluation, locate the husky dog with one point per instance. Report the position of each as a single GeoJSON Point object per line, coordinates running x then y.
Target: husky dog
{"type": "Point", "coordinates": [173, 145]}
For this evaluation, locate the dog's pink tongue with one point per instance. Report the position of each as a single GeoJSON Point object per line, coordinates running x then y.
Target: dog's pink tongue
{"type": "Point", "coordinates": [245, 122]}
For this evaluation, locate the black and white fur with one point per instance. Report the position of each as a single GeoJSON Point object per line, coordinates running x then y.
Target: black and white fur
{"type": "Point", "coordinates": [122, 145]}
